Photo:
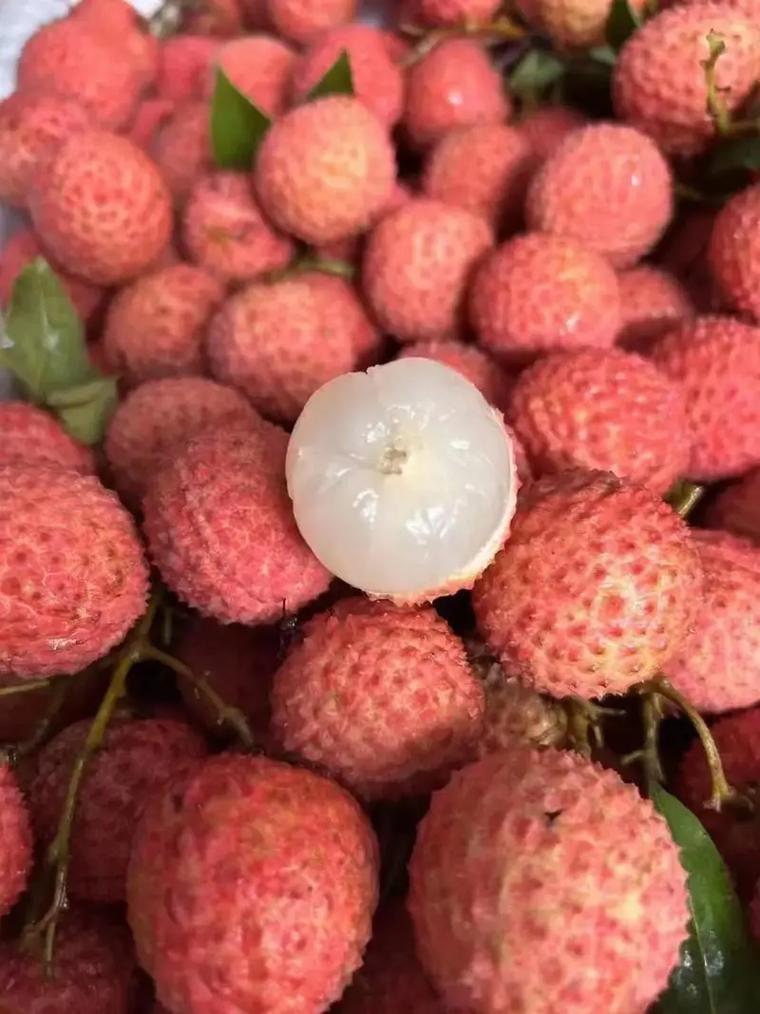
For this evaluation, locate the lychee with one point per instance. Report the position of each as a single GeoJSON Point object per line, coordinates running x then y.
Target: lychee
{"type": "Point", "coordinates": [448, 13]}
{"type": "Point", "coordinates": [493, 382]}
{"type": "Point", "coordinates": [734, 251]}
{"type": "Point", "coordinates": [184, 67]}
{"type": "Point", "coordinates": [214, 17]}
{"type": "Point", "coordinates": [302, 21]}
{"type": "Point", "coordinates": [546, 127]}
{"type": "Point", "coordinates": [150, 115]}
{"type": "Point", "coordinates": [32, 436]}
{"type": "Point", "coordinates": [15, 840]}
{"type": "Point", "coordinates": [577, 24]}
{"type": "Point", "coordinates": [737, 508]}
{"type": "Point", "coordinates": [252, 884]}
{"type": "Point", "coordinates": [652, 302]}
{"type": "Point", "coordinates": [683, 252]}
{"type": "Point", "coordinates": [116, 23]}
{"type": "Point", "coordinates": [596, 588]}
{"type": "Point", "coordinates": [181, 148]}
{"type": "Point", "coordinates": [563, 865]}
{"type": "Point", "coordinates": [260, 67]}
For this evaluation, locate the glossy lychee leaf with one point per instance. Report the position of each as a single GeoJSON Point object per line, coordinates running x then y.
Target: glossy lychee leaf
{"type": "Point", "coordinates": [338, 80]}
{"type": "Point", "coordinates": [85, 411]}
{"type": "Point", "coordinates": [537, 71]}
{"type": "Point", "coordinates": [622, 22]}
{"type": "Point", "coordinates": [719, 971]}
{"type": "Point", "coordinates": [238, 126]}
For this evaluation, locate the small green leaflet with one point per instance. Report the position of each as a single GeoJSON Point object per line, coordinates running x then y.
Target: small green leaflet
{"type": "Point", "coordinates": [339, 80]}
{"type": "Point", "coordinates": [720, 969]}
{"type": "Point", "coordinates": [86, 410]}
{"type": "Point", "coordinates": [622, 22]}
{"type": "Point", "coordinates": [537, 70]}
{"type": "Point", "coordinates": [237, 125]}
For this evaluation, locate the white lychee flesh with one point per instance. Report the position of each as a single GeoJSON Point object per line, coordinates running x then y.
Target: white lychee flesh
{"type": "Point", "coordinates": [403, 479]}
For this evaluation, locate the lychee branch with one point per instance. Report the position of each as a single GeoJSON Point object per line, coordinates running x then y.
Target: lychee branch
{"type": "Point", "coordinates": [585, 723]}
{"type": "Point", "coordinates": [501, 29]}
{"type": "Point", "coordinates": [649, 755]}
{"type": "Point", "coordinates": [27, 686]}
{"type": "Point", "coordinates": [684, 497]}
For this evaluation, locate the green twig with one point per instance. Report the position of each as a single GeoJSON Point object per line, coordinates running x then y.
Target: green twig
{"type": "Point", "coordinates": [716, 107]}
{"type": "Point", "coordinates": [27, 686]}
{"type": "Point", "coordinates": [649, 755]}
{"type": "Point", "coordinates": [684, 497]}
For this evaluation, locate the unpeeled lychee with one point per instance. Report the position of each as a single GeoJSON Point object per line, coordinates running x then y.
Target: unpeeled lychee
{"type": "Point", "coordinates": [15, 840]}
{"type": "Point", "coordinates": [493, 382]}
{"type": "Point", "coordinates": [302, 21]}
{"type": "Point", "coordinates": [252, 884]}
{"type": "Point", "coordinates": [215, 17]}
{"type": "Point", "coordinates": [448, 13]}
{"type": "Point", "coordinates": [31, 436]}
{"type": "Point", "coordinates": [546, 127]}
{"type": "Point", "coordinates": [734, 252]}
{"type": "Point", "coordinates": [652, 302]}
{"type": "Point", "coordinates": [737, 508]}
{"type": "Point", "coordinates": [181, 148]}
{"type": "Point", "coordinates": [577, 24]}
{"type": "Point", "coordinates": [116, 23]}
{"type": "Point", "coordinates": [184, 66]}
{"type": "Point", "coordinates": [260, 67]}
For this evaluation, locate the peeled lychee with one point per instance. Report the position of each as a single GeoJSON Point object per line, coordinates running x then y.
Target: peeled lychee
{"type": "Point", "coordinates": [448, 13]}
{"type": "Point", "coordinates": [260, 67]}
{"type": "Point", "coordinates": [493, 382]}
{"type": "Point", "coordinates": [184, 67]}
{"type": "Point", "coordinates": [302, 21]}
{"type": "Point", "coordinates": [31, 436]}
{"type": "Point", "coordinates": [181, 148]}
{"type": "Point", "coordinates": [734, 252]}
{"type": "Point", "coordinates": [546, 127]}
{"type": "Point", "coordinates": [652, 302]}
{"type": "Point", "coordinates": [15, 841]}
{"type": "Point", "coordinates": [737, 508]}
{"type": "Point", "coordinates": [252, 885]}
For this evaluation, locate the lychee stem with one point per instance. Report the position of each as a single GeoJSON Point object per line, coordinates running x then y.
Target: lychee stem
{"type": "Point", "coordinates": [39, 735]}
{"type": "Point", "coordinates": [501, 29]}
{"type": "Point", "coordinates": [584, 722]}
{"type": "Point", "coordinates": [651, 716]}
{"type": "Point", "coordinates": [716, 107]}
{"type": "Point", "coordinates": [684, 497]}
{"type": "Point", "coordinates": [29, 685]}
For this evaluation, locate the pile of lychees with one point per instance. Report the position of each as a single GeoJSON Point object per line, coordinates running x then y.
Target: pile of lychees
{"type": "Point", "coordinates": [436, 455]}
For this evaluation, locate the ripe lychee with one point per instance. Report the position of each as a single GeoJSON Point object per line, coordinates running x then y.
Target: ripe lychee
{"type": "Point", "coordinates": [116, 23]}
{"type": "Point", "coordinates": [417, 265]}
{"type": "Point", "coordinates": [449, 13]}
{"type": "Point", "coordinates": [537, 293]}
{"type": "Point", "coordinates": [735, 251]}
{"type": "Point", "coordinates": [252, 884]}
{"type": "Point", "coordinates": [737, 508]}
{"type": "Point", "coordinates": [260, 67]}
{"type": "Point", "coordinates": [402, 479]}
{"type": "Point", "coordinates": [302, 21]}
{"type": "Point", "coordinates": [577, 24]}
{"type": "Point", "coordinates": [214, 17]}
{"type": "Point", "coordinates": [602, 409]}
{"type": "Point", "coordinates": [101, 208]}
{"type": "Point", "coordinates": [717, 362]}
{"type": "Point", "coordinates": [493, 382]}
{"type": "Point", "coordinates": [606, 186]}
{"type": "Point", "coordinates": [683, 252]}
{"type": "Point", "coordinates": [546, 127]}
{"type": "Point", "coordinates": [596, 588]}
{"type": "Point", "coordinates": [325, 170]}
{"type": "Point", "coordinates": [181, 148]}
{"type": "Point", "coordinates": [455, 85]}
{"type": "Point", "coordinates": [184, 67]}
{"type": "Point", "coordinates": [150, 115]}
{"type": "Point", "coordinates": [652, 302]}
{"type": "Point", "coordinates": [156, 326]}
{"type": "Point", "coordinates": [15, 840]}
{"type": "Point", "coordinates": [565, 867]}
{"type": "Point", "coordinates": [255, 13]}
{"type": "Point", "coordinates": [32, 436]}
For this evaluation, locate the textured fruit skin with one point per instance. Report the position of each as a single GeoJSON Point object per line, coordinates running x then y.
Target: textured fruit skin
{"type": "Point", "coordinates": [417, 263]}
{"type": "Point", "coordinates": [116, 23]}
{"type": "Point", "coordinates": [184, 66]}
{"type": "Point", "coordinates": [484, 169]}
{"type": "Point", "coordinates": [559, 861]}
{"type": "Point", "coordinates": [717, 362]}
{"type": "Point", "coordinates": [158, 417]}
{"type": "Point", "coordinates": [225, 232]}
{"type": "Point", "coordinates": [659, 82]}
{"type": "Point", "coordinates": [546, 127]}
{"type": "Point", "coordinates": [150, 115]}
{"type": "Point", "coordinates": [537, 293]}
{"type": "Point", "coordinates": [602, 409]}
{"type": "Point", "coordinates": [156, 326]}
{"type": "Point", "coordinates": [101, 208]}
{"type": "Point", "coordinates": [448, 13]}
{"type": "Point", "coordinates": [15, 840]}
{"type": "Point", "coordinates": [302, 21]}
{"type": "Point", "coordinates": [380, 696]}
{"type": "Point", "coordinates": [278, 342]}
{"type": "Point", "coordinates": [652, 302]}
{"type": "Point", "coordinates": [181, 148]}
{"type": "Point", "coordinates": [74, 579]}
{"type": "Point", "coordinates": [325, 170]}
{"type": "Point", "coordinates": [31, 436]}
{"type": "Point", "coordinates": [220, 528]}
{"type": "Point", "coordinates": [735, 834]}
{"type": "Point", "coordinates": [683, 252]}
{"type": "Point", "coordinates": [493, 382]}
{"type": "Point", "coordinates": [596, 588]}
{"type": "Point", "coordinates": [517, 716]}
{"type": "Point", "coordinates": [252, 885]}
{"type": "Point", "coordinates": [135, 761]}
{"type": "Point", "coordinates": [737, 509]}
{"type": "Point", "coordinates": [576, 24]}
{"type": "Point", "coordinates": [216, 18]}
{"type": "Point", "coordinates": [606, 186]}
{"type": "Point", "coordinates": [734, 252]}
{"type": "Point", "coordinates": [260, 67]}
{"type": "Point", "coordinates": [455, 85]}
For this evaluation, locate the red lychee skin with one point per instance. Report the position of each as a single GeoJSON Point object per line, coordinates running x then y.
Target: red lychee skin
{"type": "Point", "coordinates": [156, 326]}
{"type": "Point", "coordinates": [417, 264]}
{"type": "Point", "coordinates": [378, 81]}
{"type": "Point", "coordinates": [382, 697]}
{"type": "Point", "coordinates": [136, 759]}
{"type": "Point", "coordinates": [683, 252]}
{"type": "Point", "coordinates": [221, 530]}
{"type": "Point", "coordinates": [734, 253]}
{"type": "Point", "coordinates": [255, 14]}
{"type": "Point", "coordinates": [150, 115]}
{"type": "Point", "coordinates": [547, 127]}
{"type": "Point", "coordinates": [602, 409]}
{"type": "Point", "coordinates": [652, 302]}
{"type": "Point", "coordinates": [484, 169]}
{"type": "Point", "coordinates": [101, 208]}
{"type": "Point", "coordinates": [449, 13]}
{"type": "Point", "coordinates": [15, 841]}
{"type": "Point", "coordinates": [737, 509]}
{"type": "Point", "coordinates": [225, 231]}
{"type": "Point", "coordinates": [280, 341]}
{"type": "Point", "coordinates": [116, 23]}
{"type": "Point", "coordinates": [74, 578]}
{"type": "Point", "coordinates": [221, 18]}
{"type": "Point", "coordinates": [69, 59]}
{"type": "Point", "coordinates": [493, 382]}
{"type": "Point", "coordinates": [561, 863]}
{"type": "Point", "coordinates": [659, 82]}
{"type": "Point", "coordinates": [32, 436]}
{"type": "Point", "coordinates": [596, 588]}
{"type": "Point", "coordinates": [252, 885]}
{"type": "Point", "coordinates": [717, 362]}
{"type": "Point", "coordinates": [181, 148]}
{"type": "Point", "coordinates": [350, 250]}
{"type": "Point", "coordinates": [577, 24]}
{"type": "Point", "coordinates": [302, 21]}
{"type": "Point", "coordinates": [260, 67]}
{"type": "Point", "coordinates": [325, 170]}
{"type": "Point", "coordinates": [32, 125]}
{"type": "Point", "coordinates": [158, 417]}
{"type": "Point", "coordinates": [537, 293]}
{"type": "Point", "coordinates": [455, 85]}
{"type": "Point", "coordinates": [606, 186]}
{"type": "Point", "coordinates": [184, 67]}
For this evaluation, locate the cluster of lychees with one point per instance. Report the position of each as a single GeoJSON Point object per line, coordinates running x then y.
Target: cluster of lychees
{"type": "Point", "coordinates": [533, 310]}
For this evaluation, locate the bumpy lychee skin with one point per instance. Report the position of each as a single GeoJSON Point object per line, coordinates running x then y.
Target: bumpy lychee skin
{"type": "Point", "coordinates": [560, 862]}
{"type": "Point", "coordinates": [225, 232]}
{"type": "Point", "coordinates": [417, 265]}
{"type": "Point", "coordinates": [101, 208]}
{"type": "Point", "coordinates": [604, 409]}
{"type": "Point", "coordinates": [484, 169]}
{"type": "Point", "coordinates": [15, 841]}
{"type": "Point", "coordinates": [717, 362]}
{"type": "Point", "coordinates": [734, 252]}
{"type": "Point", "coordinates": [576, 24]}
{"type": "Point", "coordinates": [158, 417]}
{"type": "Point", "coordinates": [652, 302]}
{"type": "Point", "coordinates": [181, 148]}
{"type": "Point", "coordinates": [156, 326]}
{"type": "Point", "coordinates": [737, 509]}
{"type": "Point", "coordinates": [448, 13]}
{"type": "Point", "coordinates": [219, 18]}
{"type": "Point", "coordinates": [221, 530]}
{"type": "Point", "coordinates": [546, 127]}
{"type": "Point", "coordinates": [74, 579]}
{"type": "Point", "coordinates": [659, 82]}
{"type": "Point", "coordinates": [596, 588]}
{"type": "Point", "coordinates": [135, 760]}
{"type": "Point", "coordinates": [455, 85]}
{"type": "Point", "coordinates": [607, 186]}
{"type": "Point", "coordinates": [381, 697]}
{"type": "Point", "coordinates": [260, 67]}
{"type": "Point", "coordinates": [278, 342]}
{"type": "Point", "coordinates": [252, 884]}
{"type": "Point", "coordinates": [537, 293]}
{"type": "Point", "coordinates": [325, 170]}
{"type": "Point", "coordinates": [116, 23]}
{"type": "Point", "coordinates": [184, 67]}
{"type": "Point", "coordinates": [302, 21]}
{"type": "Point", "coordinates": [493, 382]}
{"type": "Point", "coordinates": [32, 436]}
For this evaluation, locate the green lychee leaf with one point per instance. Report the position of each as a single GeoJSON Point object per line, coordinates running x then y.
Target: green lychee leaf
{"type": "Point", "coordinates": [622, 22]}
{"type": "Point", "coordinates": [338, 80]}
{"type": "Point", "coordinates": [719, 971]}
{"type": "Point", "coordinates": [737, 153]}
{"type": "Point", "coordinates": [238, 126]}
{"type": "Point", "coordinates": [537, 71]}
{"type": "Point", "coordinates": [85, 411]}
